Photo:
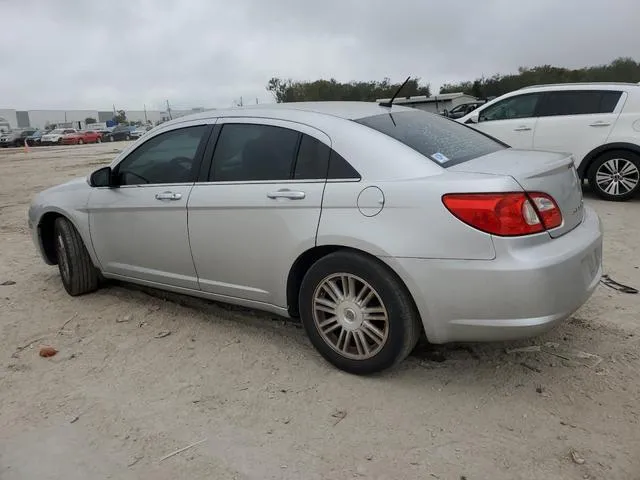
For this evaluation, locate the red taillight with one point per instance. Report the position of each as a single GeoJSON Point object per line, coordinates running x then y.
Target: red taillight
{"type": "Point", "coordinates": [505, 214]}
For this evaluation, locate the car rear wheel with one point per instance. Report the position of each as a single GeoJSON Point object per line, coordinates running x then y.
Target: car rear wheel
{"type": "Point", "coordinates": [78, 273]}
{"type": "Point", "coordinates": [615, 175]}
{"type": "Point", "coordinates": [128, 137]}
{"type": "Point", "coordinates": [357, 314]}
{"type": "Point", "coordinates": [111, 139]}
{"type": "Point", "coordinates": [80, 141]}
{"type": "Point", "coordinates": [98, 140]}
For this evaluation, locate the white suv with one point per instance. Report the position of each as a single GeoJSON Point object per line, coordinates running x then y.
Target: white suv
{"type": "Point", "coordinates": [598, 123]}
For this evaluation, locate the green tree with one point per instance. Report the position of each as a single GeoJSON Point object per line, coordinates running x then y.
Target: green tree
{"type": "Point", "coordinates": [620, 70]}
{"type": "Point", "coordinates": [89, 121]}
{"type": "Point", "coordinates": [287, 90]}
{"type": "Point", "coordinates": [121, 117]}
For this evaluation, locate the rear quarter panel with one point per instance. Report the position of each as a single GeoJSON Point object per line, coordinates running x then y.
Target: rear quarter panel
{"type": "Point", "coordinates": [413, 221]}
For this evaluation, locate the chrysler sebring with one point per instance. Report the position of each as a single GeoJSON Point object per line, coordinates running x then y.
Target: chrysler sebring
{"type": "Point", "coordinates": [372, 224]}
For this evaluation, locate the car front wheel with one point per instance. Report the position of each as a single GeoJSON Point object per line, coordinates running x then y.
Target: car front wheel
{"type": "Point", "coordinates": [615, 175]}
{"type": "Point", "coordinates": [78, 273]}
{"type": "Point", "coordinates": [357, 313]}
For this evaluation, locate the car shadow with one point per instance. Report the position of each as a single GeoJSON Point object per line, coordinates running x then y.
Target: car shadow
{"type": "Point", "coordinates": [557, 353]}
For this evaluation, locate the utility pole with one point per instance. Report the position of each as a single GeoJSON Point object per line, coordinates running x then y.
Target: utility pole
{"type": "Point", "coordinates": [145, 114]}
{"type": "Point", "coordinates": [256, 100]}
{"type": "Point", "coordinates": [169, 110]}
{"type": "Point", "coordinates": [241, 101]}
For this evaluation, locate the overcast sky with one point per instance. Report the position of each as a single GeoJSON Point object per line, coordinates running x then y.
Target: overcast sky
{"type": "Point", "coordinates": [95, 53]}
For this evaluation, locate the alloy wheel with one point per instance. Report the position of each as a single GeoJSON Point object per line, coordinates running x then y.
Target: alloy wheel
{"type": "Point", "coordinates": [350, 316]}
{"type": "Point", "coordinates": [617, 176]}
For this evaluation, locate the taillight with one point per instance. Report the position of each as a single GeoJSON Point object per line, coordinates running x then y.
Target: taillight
{"type": "Point", "coordinates": [505, 214]}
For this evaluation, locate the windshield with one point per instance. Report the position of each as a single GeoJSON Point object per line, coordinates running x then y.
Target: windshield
{"type": "Point", "coordinates": [443, 141]}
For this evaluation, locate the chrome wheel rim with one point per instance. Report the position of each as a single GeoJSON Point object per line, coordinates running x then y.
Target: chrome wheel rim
{"type": "Point", "coordinates": [617, 176]}
{"type": "Point", "coordinates": [350, 316]}
{"type": "Point", "coordinates": [62, 260]}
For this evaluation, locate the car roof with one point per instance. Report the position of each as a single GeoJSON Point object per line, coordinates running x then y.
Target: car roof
{"type": "Point", "coordinates": [582, 86]}
{"type": "Point", "coordinates": [344, 110]}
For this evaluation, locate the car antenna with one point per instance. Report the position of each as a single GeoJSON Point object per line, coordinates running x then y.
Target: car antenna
{"type": "Point", "coordinates": [390, 102]}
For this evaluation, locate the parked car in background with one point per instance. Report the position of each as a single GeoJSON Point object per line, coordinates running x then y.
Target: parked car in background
{"type": "Point", "coordinates": [119, 132]}
{"type": "Point", "coordinates": [55, 136]}
{"type": "Point", "coordinates": [597, 123]}
{"type": "Point", "coordinates": [15, 138]}
{"type": "Point", "coordinates": [463, 109]}
{"type": "Point", "coordinates": [79, 138]}
{"type": "Point", "coordinates": [33, 140]}
{"type": "Point", "coordinates": [297, 210]}
{"type": "Point", "coordinates": [140, 131]}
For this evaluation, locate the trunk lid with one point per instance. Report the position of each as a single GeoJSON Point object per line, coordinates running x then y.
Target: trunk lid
{"type": "Point", "coordinates": [547, 172]}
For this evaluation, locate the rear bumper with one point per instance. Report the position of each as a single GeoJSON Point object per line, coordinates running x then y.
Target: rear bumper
{"type": "Point", "coordinates": [531, 285]}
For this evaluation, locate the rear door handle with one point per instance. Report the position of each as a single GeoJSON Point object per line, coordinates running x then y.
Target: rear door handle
{"type": "Point", "coordinates": [599, 124]}
{"type": "Point", "coordinates": [522, 128]}
{"type": "Point", "coordinates": [286, 193]}
{"type": "Point", "coordinates": [168, 196]}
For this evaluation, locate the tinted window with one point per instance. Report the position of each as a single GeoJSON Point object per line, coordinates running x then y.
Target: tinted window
{"type": "Point", "coordinates": [339, 168]}
{"type": "Point", "coordinates": [570, 102]}
{"type": "Point", "coordinates": [522, 106]}
{"type": "Point", "coordinates": [609, 101]}
{"type": "Point", "coordinates": [313, 159]}
{"type": "Point", "coordinates": [167, 158]}
{"type": "Point", "coordinates": [444, 141]}
{"type": "Point", "coordinates": [246, 152]}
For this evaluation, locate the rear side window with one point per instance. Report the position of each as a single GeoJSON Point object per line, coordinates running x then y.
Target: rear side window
{"type": "Point", "coordinates": [249, 152]}
{"type": "Point", "coordinates": [313, 159]}
{"type": "Point", "coordinates": [445, 142]}
{"type": "Point", "coordinates": [578, 102]}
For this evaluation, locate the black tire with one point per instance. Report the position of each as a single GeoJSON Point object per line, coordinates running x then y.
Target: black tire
{"type": "Point", "coordinates": [128, 137]}
{"type": "Point", "coordinates": [630, 159]}
{"type": "Point", "coordinates": [98, 140]}
{"type": "Point", "coordinates": [404, 325]}
{"type": "Point", "coordinates": [79, 275]}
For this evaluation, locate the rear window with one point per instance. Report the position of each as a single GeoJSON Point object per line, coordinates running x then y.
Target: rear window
{"type": "Point", "coordinates": [443, 141]}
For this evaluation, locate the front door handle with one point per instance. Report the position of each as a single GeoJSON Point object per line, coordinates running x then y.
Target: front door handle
{"type": "Point", "coordinates": [599, 124]}
{"type": "Point", "coordinates": [168, 196]}
{"type": "Point", "coordinates": [522, 128]}
{"type": "Point", "coordinates": [286, 193]}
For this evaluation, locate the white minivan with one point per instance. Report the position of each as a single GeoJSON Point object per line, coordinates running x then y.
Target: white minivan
{"type": "Point", "coordinates": [598, 123]}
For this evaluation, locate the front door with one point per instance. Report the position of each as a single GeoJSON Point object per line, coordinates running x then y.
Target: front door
{"type": "Point", "coordinates": [512, 120]}
{"type": "Point", "coordinates": [259, 209]}
{"type": "Point", "coordinates": [139, 229]}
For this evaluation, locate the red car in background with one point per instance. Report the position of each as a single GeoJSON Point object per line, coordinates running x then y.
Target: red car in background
{"type": "Point", "coordinates": [79, 138]}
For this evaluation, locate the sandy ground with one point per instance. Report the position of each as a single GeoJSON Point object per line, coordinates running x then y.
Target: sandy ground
{"type": "Point", "coordinates": [116, 399]}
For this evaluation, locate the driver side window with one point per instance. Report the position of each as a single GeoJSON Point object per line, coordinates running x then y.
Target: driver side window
{"type": "Point", "coordinates": [166, 158]}
{"type": "Point", "coordinates": [522, 106]}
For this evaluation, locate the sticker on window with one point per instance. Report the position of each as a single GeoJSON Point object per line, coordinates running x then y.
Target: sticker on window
{"type": "Point", "coordinates": [439, 157]}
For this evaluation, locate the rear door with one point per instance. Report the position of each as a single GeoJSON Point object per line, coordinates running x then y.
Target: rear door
{"type": "Point", "coordinates": [259, 207]}
{"type": "Point", "coordinates": [512, 120]}
{"type": "Point", "coordinates": [576, 121]}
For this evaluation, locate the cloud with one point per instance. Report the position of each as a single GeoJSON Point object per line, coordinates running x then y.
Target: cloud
{"type": "Point", "coordinates": [91, 54]}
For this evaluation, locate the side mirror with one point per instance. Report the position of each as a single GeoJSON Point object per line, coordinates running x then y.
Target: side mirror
{"type": "Point", "coordinates": [103, 177]}
{"type": "Point", "coordinates": [473, 118]}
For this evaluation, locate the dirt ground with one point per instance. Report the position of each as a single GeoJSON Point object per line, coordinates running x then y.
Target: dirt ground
{"type": "Point", "coordinates": [115, 400]}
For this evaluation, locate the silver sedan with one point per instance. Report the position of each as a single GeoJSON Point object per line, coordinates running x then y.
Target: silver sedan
{"type": "Point", "coordinates": [372, 224]}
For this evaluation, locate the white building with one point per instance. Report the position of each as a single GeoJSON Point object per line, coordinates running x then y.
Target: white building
{"type": "Point", "coordinates": [435, 103]}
